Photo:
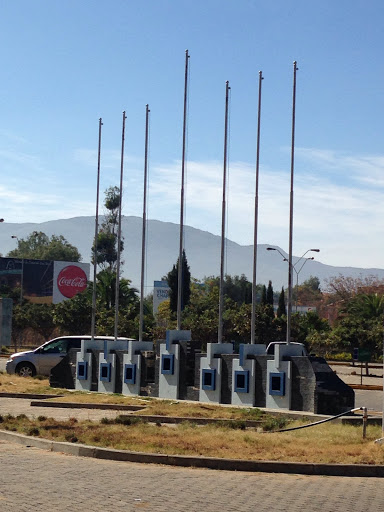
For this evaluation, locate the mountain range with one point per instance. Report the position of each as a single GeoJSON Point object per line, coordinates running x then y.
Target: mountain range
{"type": "Point", "coordinates": [202, 250]}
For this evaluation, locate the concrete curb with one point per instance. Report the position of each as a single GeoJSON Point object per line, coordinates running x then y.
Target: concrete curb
{"type": "Point", "coordinates": [358, 470]}
{"type": "Point", "coordinates": [76, 405]}
{"type": "Point", "coordinates": [29, 396]}
{"type": "Point", "coordinates": [366, 387]}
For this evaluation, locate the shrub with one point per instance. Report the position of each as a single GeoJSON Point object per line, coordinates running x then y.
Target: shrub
{"type": "Point", "coordinates": [275, 423]}
{"type": "Point", "coordinates": [34, 431]}
{"type": "Point", "coordinates": [127, 420]}
{"type": "Point", "coordinates": [340, 356]}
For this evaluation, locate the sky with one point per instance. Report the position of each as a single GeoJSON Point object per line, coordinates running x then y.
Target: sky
{"type": "Point", "coordinates": [67, 64]}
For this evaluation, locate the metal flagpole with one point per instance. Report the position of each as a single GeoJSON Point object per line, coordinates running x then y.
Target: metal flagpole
{"type": "Point", "coordinates": [143, 239]}
{"type": "Point", "coordinates": [222, 254]}
{"type": "Point", "coordinates": [253, 317]}
{"type": "Point", "coordinates": [93, 320]}
{"type": "Point", "coordinates": [289, 308]}
{"type": "Point", "coordinates": [181, 244]}
{"type": "Point", "coordinates": [117, 289]}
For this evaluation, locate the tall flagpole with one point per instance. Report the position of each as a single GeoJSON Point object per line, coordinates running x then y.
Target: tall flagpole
{"type": "Point", "coordinates": [224, 206]}
{"type": "Point", "coordinates": [181, 243]}
{"type": "Point", "coordinates": [93, 320]}
{"type": "Point", "coordinates": [143, 238]}
{"type": "Point", "coordinates": [289, 308]}
{"type": "Point", "coordinates": [253, 317]}
{"type": "Point", "coordinates": [117, 289]}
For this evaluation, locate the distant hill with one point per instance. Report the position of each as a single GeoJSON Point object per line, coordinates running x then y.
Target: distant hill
{"type": "Point", "coordinates": [202, 249]}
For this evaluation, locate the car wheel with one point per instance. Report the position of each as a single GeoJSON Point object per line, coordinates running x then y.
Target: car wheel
{"type": "Point", "coordinates": [26, 370]}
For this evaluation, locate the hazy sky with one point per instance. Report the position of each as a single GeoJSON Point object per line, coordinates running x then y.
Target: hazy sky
{"type": "Point", "coordinates": [66, 63]}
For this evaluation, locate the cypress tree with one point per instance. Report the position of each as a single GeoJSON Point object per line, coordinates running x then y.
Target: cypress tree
{"type": "Point", "coordinates": [173, 280]}
{"type": "Point", "coordinates": [269, 296]}
{"type": "Point", "coordinates": [263, 299]}
{"type": "Point", "coordinates": [281, 309]}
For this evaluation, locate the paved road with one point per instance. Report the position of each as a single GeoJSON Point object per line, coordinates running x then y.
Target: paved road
{"type": "Point", "coordinates": [39, 481]}
{"type": "Point", "coordinates": [373, 400]}
{"type": "Point", "coordinates": [16, 406]}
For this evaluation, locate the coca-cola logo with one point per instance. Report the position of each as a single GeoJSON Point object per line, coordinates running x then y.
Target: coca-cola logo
{"type": "Point", "coordinates": [71, 280]}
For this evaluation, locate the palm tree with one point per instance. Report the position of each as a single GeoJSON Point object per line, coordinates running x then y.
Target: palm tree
{"type": "Point", "coordinates": [106, 285]}
{"type": "Point", "coordinates": [365, 305]}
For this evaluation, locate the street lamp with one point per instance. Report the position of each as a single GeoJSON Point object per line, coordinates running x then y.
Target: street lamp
{"type": "Point", "coordinates": [291, 266]}
{"type": "Point", "coordinates": [297, 274]}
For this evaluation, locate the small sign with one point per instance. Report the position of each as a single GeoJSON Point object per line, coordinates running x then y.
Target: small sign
{"type": "Point", "coordinates": [364, 355]}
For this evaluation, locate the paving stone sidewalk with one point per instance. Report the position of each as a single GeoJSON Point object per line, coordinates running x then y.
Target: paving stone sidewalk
{"type": "Point", "coordinates": [16, 406]}
{"type": "Point", "coordinates": [35, 480]}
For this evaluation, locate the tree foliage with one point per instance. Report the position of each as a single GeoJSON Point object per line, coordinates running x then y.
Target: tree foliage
{"type": "Point", "coordinates": [343, 288]}
{"type": "Point", "coordinates": [106, 291]}
{"type": "Point", "coordinates": [359, 322]}
{"type": "Point", "coordinates": [308, 293]}
{"type": "Point", "coordinates": [173, 283]}
{"type": "Point", "coordinates": [73, 316]}
{"type": "Point", "coordinates": [106, 254]}
{"type": "Point", "coordinates": [281, 308]}
{"type": "Point", "coordinates": [269, 294]}
{"type": "Point", "coordinates": [38, 317]}
{"type": "Point", "coordinates": [41, 247]}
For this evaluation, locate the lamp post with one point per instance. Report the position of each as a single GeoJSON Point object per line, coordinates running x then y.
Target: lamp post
{"type": "Point", "coordinates": [292, 267]}
{"type": "Point", "coordinates": [297, 272]}
{"type": "Point", "coordinates": [22, 272]}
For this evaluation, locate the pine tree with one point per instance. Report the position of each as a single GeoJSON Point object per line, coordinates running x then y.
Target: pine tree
{"type": "Point", "coordinates": [281, 309]}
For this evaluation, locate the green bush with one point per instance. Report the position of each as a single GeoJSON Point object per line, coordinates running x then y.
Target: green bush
{"type": "Point", "coordinates": [275, 423]}
{"type": "Point", "coordinates": [341, 356]}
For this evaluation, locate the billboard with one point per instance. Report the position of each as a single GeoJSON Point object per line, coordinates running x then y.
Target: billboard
{"type": "Point", "coordinates": [44, 281]}
{"type": "Point", "coordinates": [160, 293]}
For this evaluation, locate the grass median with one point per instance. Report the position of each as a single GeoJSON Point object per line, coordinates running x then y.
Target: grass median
{"type": "Point", "coordinates": [322, 444]}
{"type": "Point", "coordinates": [326, 443]}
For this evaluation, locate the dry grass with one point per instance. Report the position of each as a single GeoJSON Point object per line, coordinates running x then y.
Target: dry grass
{"type": "Point", "coordinates": [92, 397]}
{"type": "Point", "coordinates": [199, 410]}
{"type": "Point", "coordinates": [164, 407]}
{"type": "Point", "coordinates": [16, 384]}
{"type": "Point", "coordinates": [323, 444]}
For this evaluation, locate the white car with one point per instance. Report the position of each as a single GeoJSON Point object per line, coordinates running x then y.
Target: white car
{"type": "Point", "coordinates": [300, 348]}
{"type": "Point", "coordinates": [41, 360]}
